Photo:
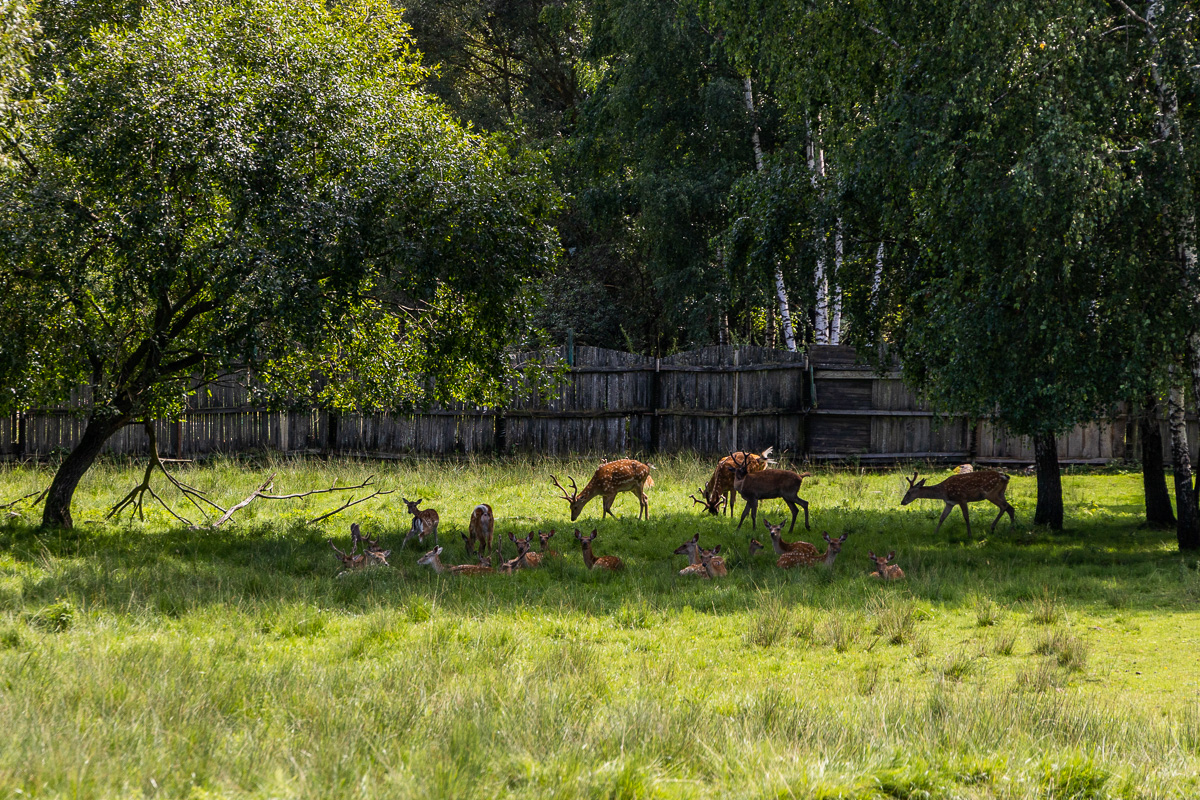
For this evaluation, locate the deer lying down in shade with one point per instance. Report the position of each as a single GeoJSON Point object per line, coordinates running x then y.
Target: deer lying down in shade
{"type": "Point", "coordinates": [805, 559]}
{"type": "Point", "coordinates": [958, 490]}
{"type": "Point", "coordinates": [593, 561]}
{"type": "Point", "coordinates": [610, 479]}
{"type": "Point", "coordinates": [433, 559]}
{"type": "Point", "coordinates": [884, 570]}
{"type": "Point", "coordinates": [781, 547]}
{"type": "Point", "coordinates": [691, 548]}
{"type": "Point", "coordinates": [371, 555]}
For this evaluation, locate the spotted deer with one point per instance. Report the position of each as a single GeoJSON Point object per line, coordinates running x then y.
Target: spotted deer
{"type": "Point", "coordinates": [433, 559]}
{"type": "Point", "coordinates": [691, 549]}
{"type": "Point", "coordinates": [544, 539]}
{"type": "Point", "coordinates": [802, 559]}
{"type": "Point", "coordinates": [709, 562]}
{"type": "Point", "coordinates": [781, 547]}
{"type": "Point", "coordinates": [596, 562]}
{"type": "Point", "coordinates": [884, 570]}
{"type": "Point", "coordinates": [610, 479]}
{"type": "Point", "coordinates": [479, 530]}
{"type": "Point", "coordinates": [719, 495]}
{"type": "Point", "coordinates": [766, 484]}
{"type": "Point", "coordinates": [424, 522]}
{"type": "Point", "coordinates": [959, 490]}
{"type": "Point", "coordinates": [355, 560]}
{"type": "Point", "coordinates": [527, 558]}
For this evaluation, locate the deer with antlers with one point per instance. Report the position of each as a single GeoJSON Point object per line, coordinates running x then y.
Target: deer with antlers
{"type": "Point", "coordinates": [767, 484]}
{"type": "Point", "coordinates": [959, 490]}
{"type": "Point", "coordinates": [884, 570]}
{"type": "Point", "coordinates": [424, 522]}
{"type": "Point", "coordinates": [805, 559]}
{"type": "Point", "coordinates": [593, 561]}
{"type": "Point", "coordinates": [610, 479]}
{"type": "Point", "coordinates": [371, 555]}
{"type": "Point", "coordinates": [719, 495]}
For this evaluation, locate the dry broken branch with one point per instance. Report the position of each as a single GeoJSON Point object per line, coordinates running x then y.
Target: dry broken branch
{"type": "Point", "coordinates": [137, 494]}
{"type": "Point", "coordinates": [362, 485]}
{"type": "Point", "coordinates": [250, 499]}
{"type": "Point", "coordinates": [348, 504]}
{"type": "Point", "coordinates": [18, 500]}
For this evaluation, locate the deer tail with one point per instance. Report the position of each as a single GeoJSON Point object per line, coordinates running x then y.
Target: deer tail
{"type": "Point", "coordinates": [649, 481]}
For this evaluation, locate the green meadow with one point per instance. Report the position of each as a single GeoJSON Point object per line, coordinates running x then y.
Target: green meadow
{"type": "Point", "coordinates": [146, 659]}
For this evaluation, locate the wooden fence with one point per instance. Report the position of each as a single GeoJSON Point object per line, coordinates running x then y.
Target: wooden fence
{"type": "Point", "coordinates": [821, 406]}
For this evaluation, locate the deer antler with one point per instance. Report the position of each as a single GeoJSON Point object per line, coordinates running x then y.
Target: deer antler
{"type": "Point", "coordinates": [697, 499]}
{"type": "Point", "coordinates": [737, 463]}
{"type": "Point", "coordinates": [570, 498]}
{"type": "Point", "coordinates": [911, 480]}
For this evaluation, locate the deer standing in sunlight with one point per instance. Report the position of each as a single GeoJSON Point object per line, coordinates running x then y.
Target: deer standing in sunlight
{"type": "Point", "coordinates": [610, 479]}
{"type": "Point", "coordinates": [719, 495]}
{"type": "Point", "coordinates": [958, 490]}
{"type": "Point", "coordinates": [767, 484]}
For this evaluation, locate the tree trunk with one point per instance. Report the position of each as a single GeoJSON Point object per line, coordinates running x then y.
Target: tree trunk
{"type": "Point", "coordinates": [785, 314]}
{"type": "Point", "coordinates": [1049, 483]}
{"type": "Point", "coordinates": [1154, 479]}
{"type": "Point", "coordinates": [1187, 527]}
{"type": "Point", "coordinates": [57, 512]}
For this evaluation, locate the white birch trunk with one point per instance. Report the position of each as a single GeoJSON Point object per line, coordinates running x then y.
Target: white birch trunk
{"type": "Point", "coordinates": [785, 315]}
{"type": "Point", "coordinates": [816, 168]}
{"type": "Point", "coordinates": [878, 273]}
{"type": "Point", "coordinates": [835, 316]}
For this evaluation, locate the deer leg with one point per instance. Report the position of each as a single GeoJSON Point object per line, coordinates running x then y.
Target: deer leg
{"type": "Point", "coordinates": [745, 510]}
{"type": "Point", "coordinates": [608, 501]}
{"type": "Point", "coordinates": [803, 504]}
{"type": "Point", "coordinates": [791, 504]}
{"type": "Point", "coordinates": [966, 518]}
{"type": "Point", "coordinates": [732, 502]}
{"type": "Point", "coordinates": [1006, 507]}
{"type": "Point", "coordinates": [645, 503]}
{"type": "Point", "coordinates": [945, 513]}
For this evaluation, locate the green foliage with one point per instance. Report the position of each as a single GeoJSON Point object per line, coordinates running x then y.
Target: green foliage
{"type": "Point", "coordinates": [18, 47]}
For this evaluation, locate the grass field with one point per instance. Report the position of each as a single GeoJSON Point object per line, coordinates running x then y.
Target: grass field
{"type": "Point", "coordinates": [145, 659]}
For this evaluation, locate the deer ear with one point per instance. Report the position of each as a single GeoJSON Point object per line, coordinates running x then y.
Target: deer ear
{"type": "Point", "coordinates": [891, 555]}
{"type": "Point", "coordinates": [512, 538]}
{"type": "Point", "coordinates": [871, 554]}
{"type": "Point", "coordinates": [438, 551]}
{"type": "Point", "coordinates": [716, 549]}
{"type": "Point", "coordinates": [842, 538]}
{"type": "Point", "coordinates": [578, 535]}
{"type": "Point", "coordinates": [826, 536]}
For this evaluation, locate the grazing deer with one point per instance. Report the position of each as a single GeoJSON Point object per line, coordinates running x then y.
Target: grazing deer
{"type": "Point", "coordinates": [766, 484]}
{"type": "Point", "coordinates": [789, 560]}
{"type": "Point", "coordinates": [958, 490]}
{"type": "Point", "coordinates": [593, 562]}
{"type": "Point", "coordinates": [884, 570]}
{"type": "Point", "coordinates": [433, 559]}
{"type": "Point", "coordinates": [781, 547]}
{"type": "Point", "coordinates": [719, 494]}
{"type": "Point", "coordinates": [544, 539]}
{"type": "Point", "coordinates": [424, 522]}
{"type": "Point", "coordinates": [525, 556]}
{"type": "Point", "coordinates": [480, 529]}
{"type": "Point", "coordinates": [610, 479]}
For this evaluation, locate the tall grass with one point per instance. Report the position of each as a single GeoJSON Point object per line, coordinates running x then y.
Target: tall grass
{"type": "Point", "coordinates": [144, 658]}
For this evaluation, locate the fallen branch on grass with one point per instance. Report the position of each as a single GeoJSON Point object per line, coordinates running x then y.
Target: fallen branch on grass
{"type": "Point", "coordinates": [7, 506]}
{"type": "Point", "coordinates": [348, 504]}
{"type": "Point", "coordinates": [260, 494]}
{"type": "Point", "coordinates": [138, 493]}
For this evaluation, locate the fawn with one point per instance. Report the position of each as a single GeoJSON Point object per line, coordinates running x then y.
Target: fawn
{"type": "Point", "coordinates": [479, 531]}
{"type": "Point", "coordinates": [719, 494]}
{"type": "Point", "coordinates": [596, 562]}
{"type": "Point", "coordinates": [802, 559]}
{"type": "Point", "coordinates": [884, 570]}
{"type": "Point", "coordinates": [709, 562]}
{"type": "Point", "coordinates": [545, 538]}
{"type": "Point", "coordinates": [525, 555]}
{"type": "Point", "coordinates": [424, 522]}
{"type": "Point", "coordinates": [371, 555]}
{"type": "Point", "coordinates": [958, 490]}
{"type": "Point", "coordinates": [767, 484]}
{"type": "Point", "coordinates": [610, 479]}
{"type": "Point", "coordinates": [755, 546]}
{"type": "Point", "coordinates": [691, 549]}
{"type": "Point", "coordinates": [433, 559]}
{"type": "Point", "coordinates": [781, 547]}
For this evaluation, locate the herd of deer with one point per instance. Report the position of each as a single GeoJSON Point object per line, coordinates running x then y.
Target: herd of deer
{"type": "Point", "coordinates": [743, 473]}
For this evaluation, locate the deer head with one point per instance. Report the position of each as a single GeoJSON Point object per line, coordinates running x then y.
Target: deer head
{"type": "Point", "coordinates": [572, 498]}
{"type": "Point", "coordinates": [687, 547]}
{"type": "Point", "coordinates": [835, 545]}
{"type": "Point", "coordinates": [914, 488]}
{"type": "Point", "coordinates": [545, 538]}
{"type": "Point", "coordinates": [755, 546]}
{"type": "Point", "coordinates": [711, 505]}
{"type": "Point", "coordinates": [431, 557]}
{"type": "Point", "coordinates": [412, 505]}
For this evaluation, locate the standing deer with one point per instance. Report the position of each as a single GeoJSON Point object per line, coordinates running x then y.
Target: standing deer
{"type": "Point", "coordinates": [781, 547]}
{"type": "Point", "coordinates": [596, 562]}
{"type": "Point", "coordinates": [719, 494]}
{"type": "Point", "coordinates": [884, 570]}
{"type": "Point", "coordinates": [767, 484]}
{"type": "Point", "coordinates": [424, 522]}
{"type": "Point", "coordinates": [802, 559]}
{"type": "Point", "coordinates": [958, 490]}
{"type": "Point", "coordinates": [479, 531]}
{"type": "Point", "coordinates": [610, 479]}
{"type": "Point", "coordinates": [433, 559]}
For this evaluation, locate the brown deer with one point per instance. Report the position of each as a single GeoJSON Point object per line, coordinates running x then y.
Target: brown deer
{"type": "Point", "coordinates": [371, 555]}
{"type": "Point", "coordinates": [755, 546]}
{"type": "Point", "coordinates": [958, 490]}
{"type": "Point", "coordinates": [789, 560]}
{"type": "Point", "coordinates": [527, 558]}
{"type": "Point", "coordinates": [596, 562]}
{"type": "Point", "coordinates": [781, 547]}
{"type": "Point", "coordinates": [691, 549]}
{"type": "Point", "coordinates": [479, 531]}
{"type": "Point", "coordinates": [767, 484]}
{"type": "Point", "coordinates": [544, 539]}
{"type": "Point", "coordinates": [433, 559]}
{"type": "Point", "coordinates": [424, 522]}
{"type": "Point", "coordinates": [610, 479]}
{"type": "Point", "coordinates": [884, 570]}
{"type": "Point", "coordinates": [718, 494]}
{"type": "Point", "coordinates": [713, 566]}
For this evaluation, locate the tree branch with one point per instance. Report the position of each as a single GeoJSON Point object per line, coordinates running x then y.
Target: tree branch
{"type": "Point", "coordinates": [348, 504]}
{"type": "Point", "coordinates": [1134, 14]}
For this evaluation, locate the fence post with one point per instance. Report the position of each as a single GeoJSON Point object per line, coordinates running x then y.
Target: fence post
{"type": "Point", "coordinates": [20, 428]}
{"type": "Point", "coordinates": [655, 420]}
{"type": "Point", "coordinates": [736, 380]}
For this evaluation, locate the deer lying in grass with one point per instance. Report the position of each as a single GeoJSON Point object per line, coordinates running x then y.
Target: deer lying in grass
{"type": "Point", "coordinates": [958, 490]}
{"type": "Point", "coordinates": [767, 484]}
{"type": "Point", "coordinates": [433, 559]}
{"type": "Point", "coordinates": [610, 479]}
{"type": "Point", "coordinates": [755, 546]}
{"type": "Point", "coordinates": [691, 548]}
{"type": "Point", "coordinates": [719, 495]}
{"type": "Point", "coordinates": [804, 559]}
{"type": "Point", "coordinates": [544, 539]}
{"type": "Point", "coordinates": [479, 530]}
{"type": "Point", "coordinates": [884, 570]}
{"type": "Point", "coordinates": [424, 522]}
{"type": "Point", "coordinates": [596, 562]}
{"type": "Point", "coordinates": [372, 555]}
{"type": "Point", "coordinates": [528, 557]}
{"type": "Point", "coordinates": [781, 547]}
{"type": "Point", "coordinates": [708, 561]}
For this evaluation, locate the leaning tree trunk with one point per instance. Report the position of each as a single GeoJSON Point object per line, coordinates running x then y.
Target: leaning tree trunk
{"type": "Point", "coordinates": [1187, 528]}
{"type": "Point", "coordinates": [57, 511]}
{"type": "Point", "coordinates": [1049, 509]}
{"type": "Point", "coordinates": [1154, 478]}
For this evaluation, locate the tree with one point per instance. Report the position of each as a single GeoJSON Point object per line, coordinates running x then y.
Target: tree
{"type": "Point", "coordinates": [234, 183]}
{"type": "Point", "coordinates": [18, 48]}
